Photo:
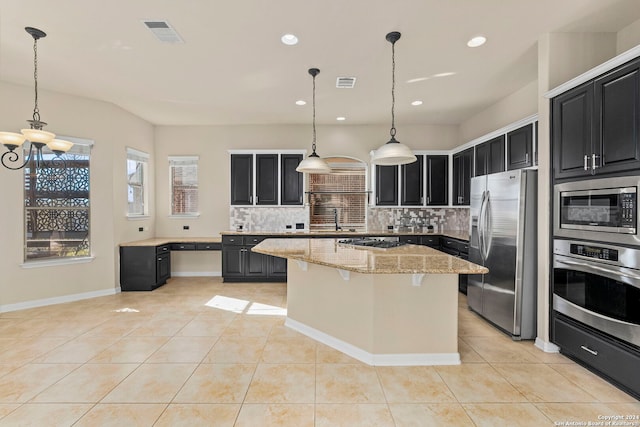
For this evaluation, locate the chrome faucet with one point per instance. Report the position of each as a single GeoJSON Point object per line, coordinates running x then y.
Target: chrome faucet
{"type": "Point", "coordinates": [335, 218]}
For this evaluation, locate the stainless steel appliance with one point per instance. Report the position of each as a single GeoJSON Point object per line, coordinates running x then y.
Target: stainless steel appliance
{"type": "Point", "coordinates": [598, 285]}
{"type": "Point", "coordinates": [503, 239]}
{"type": "Point", "coordinates": [603, 210]}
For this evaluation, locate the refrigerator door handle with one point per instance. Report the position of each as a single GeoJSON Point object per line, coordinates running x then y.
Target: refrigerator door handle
{"type": "Point", "coordinates": [481, 227]}
{"type": "Point", "coordinates": [487, 232]}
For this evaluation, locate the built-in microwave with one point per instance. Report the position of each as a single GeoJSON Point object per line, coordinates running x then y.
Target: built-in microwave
{"type": "Point", "coordinates": [603, 209]}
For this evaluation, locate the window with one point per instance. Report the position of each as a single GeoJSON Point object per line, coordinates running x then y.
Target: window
{"type": "Point", "coordinates": [137, 165]}
{"type": "Point", "coordinates": [56, 203]}
{"type": "Point", "coordinates": [184, 185]}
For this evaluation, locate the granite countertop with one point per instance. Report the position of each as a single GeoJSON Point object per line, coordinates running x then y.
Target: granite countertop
{"type": "Point", "coordinates": [157, 241]}
{"type": "Point", "coordinates": [406, 259]}
{"type": "Point", "coordinates": [455, 234]}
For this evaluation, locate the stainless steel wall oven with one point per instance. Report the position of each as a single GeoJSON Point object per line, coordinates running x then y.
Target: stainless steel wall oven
{"type": "Point", "coordinates": [598, 285]}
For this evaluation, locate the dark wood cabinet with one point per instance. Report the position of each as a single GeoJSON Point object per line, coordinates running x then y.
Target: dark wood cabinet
{"type": "Point", "coordinates": [489, 156]}
{"type": "Point", "coordinates": [411, 182]}
{"type": "Point", "coordinates": [144, 268]}
{"type": "Point", "coordinates": [462, 173]}
{"type": "Point", "coordinates": [458, 248]}
{"type": "Point", "coordinates": [616, 361]}
{"type": "Point", "coordinates": [571, 131]}
{"type": "Point", "coordinates": [596, 126]}
{"type": "Point", "coordinates": [291, 181]}
{"type": "Point", "coordinates": [241, 264]}
{"type": "Point", "coordinates": [437, 180]}
{"type": "Point", "coordinates": [266, 179]}
{"type": "Point", "coordinates": [520, 148]}
{"type": "Point", "coordinates": [386, 185]}
{"type": "Point", "coordinates": [242, 179]}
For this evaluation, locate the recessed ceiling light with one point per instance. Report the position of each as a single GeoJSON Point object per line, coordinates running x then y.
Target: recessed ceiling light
{"type": "Point", "coordinates": [418, 79]}
{"type": "Point", "coordinates": [301, 102]}
{"type": "Point", "coordinates": [476, 41]}
{"type": "Point", "coordinates": [341, 119]}
{"type": "Point", "coordinates": [448, 73]}
{"type": "Point", "coordinates": [289, 39]}
{"type": "Point", "coordinates": [416, 103]}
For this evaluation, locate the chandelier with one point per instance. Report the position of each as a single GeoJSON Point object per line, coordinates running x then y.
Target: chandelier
{"type": "Point", "coordinates": [37, 137]}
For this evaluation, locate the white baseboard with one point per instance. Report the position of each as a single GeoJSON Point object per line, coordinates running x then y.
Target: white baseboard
{"type": "Point", "coordinates": [416, 359]}
{"type": "Point", "coordinates": [196, 274]}
{"type": "Point", "coordinates": [57, 300]}
{"type": "Point", "coordinates": [546, 346]}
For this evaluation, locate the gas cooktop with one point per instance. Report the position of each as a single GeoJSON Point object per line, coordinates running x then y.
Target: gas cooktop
{"type": "Point", "coordinates": [372, 243]}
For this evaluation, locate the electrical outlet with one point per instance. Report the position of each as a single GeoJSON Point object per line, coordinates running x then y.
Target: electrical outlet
{"type": "Point", "coordinates": [140, 228]}
{"type": "Point", "coordinates": [185, 227]}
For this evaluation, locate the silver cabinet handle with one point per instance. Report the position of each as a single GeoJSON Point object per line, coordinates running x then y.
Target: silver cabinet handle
{"type": "Point", "coordinates": [586, 162]}
{"type": "Point", "coordinates": [159, 259]}
{"type": "Point", "coordinates": [526, 157]}
{"type": "Point", "coordinates": [587, 349]}
{"type": "Point", "coordinates": [594, 156]}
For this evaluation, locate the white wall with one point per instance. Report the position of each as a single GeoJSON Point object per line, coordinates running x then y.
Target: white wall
{"type": "Point", "coordinates": [628, 37]}
{"type": "Point", "coordinates": [112, 129]}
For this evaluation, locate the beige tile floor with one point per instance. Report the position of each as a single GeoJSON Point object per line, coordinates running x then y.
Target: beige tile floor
{"type": "Point", "coordinates": [197, 352]}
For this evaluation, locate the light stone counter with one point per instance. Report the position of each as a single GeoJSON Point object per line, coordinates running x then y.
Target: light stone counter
{"type": "Point", "coordinates": [158, 241]}
{"type": "Point", "coordinates": [386, 307]}
{"type": "Point", "coordinates": [406, 259]}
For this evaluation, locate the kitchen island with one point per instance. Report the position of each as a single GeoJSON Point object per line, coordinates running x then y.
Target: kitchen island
{"type": "Point", "coordinates": [393, 307]}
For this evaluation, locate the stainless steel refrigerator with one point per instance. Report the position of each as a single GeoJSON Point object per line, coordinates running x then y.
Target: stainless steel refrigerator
{"type": "Point", "coordinates": [503, 238]}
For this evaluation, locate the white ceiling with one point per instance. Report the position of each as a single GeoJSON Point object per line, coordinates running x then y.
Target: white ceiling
{"type": "Point", "coordinates": [233, 69]}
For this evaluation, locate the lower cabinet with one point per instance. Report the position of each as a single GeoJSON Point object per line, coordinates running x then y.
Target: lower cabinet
{"type": "Point", "coordinates": [460, 249]}
{"type": "Point", "coordinates": [240, 264]}
{"type": "Point", "coordinates": [144, 268]}
{"type": "Point", "coordinates": [616, 361]}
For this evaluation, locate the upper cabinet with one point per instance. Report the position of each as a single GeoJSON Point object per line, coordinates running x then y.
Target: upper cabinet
{"type": "Point", "coordinates": [291, 185]}
{"type": "Point", "coordinates": [437, 180]}
{"type": "Point", "coordinates": [595, 127]}
{"type": "Point", "coordinates": [242, 179]}
{"type": "Point", "coordinates": [411, 182]}
{"type": "Point", "coordinates": [276, 181]}
{"type": "Point", "coordinates": [490, 156]}
{"type": "Point", "coordinates": [266, 179]}
{"type": "Point", "coordinates": [520, 148]}
{"type": "Point", "coordinates": [462, 173]}
{"type": "Point", "coordinates": [387, 185]}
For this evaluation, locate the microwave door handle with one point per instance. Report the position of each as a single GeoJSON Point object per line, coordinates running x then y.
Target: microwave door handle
{"type": "Point", "coordinates": [621, 276]}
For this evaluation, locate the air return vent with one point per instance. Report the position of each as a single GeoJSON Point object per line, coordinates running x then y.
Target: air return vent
{"type": "Point", "coordinates": [163, 31]}
{"type": "Point", "coordinates": [345, 82]}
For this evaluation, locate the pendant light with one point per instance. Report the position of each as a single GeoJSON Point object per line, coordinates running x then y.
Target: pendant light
{"type": "Point", "coordinates": [393, 152]}
{"type": "Point", "coordinates": [37, 137]}
{"type": "Point", "coordinates": [313, 163]}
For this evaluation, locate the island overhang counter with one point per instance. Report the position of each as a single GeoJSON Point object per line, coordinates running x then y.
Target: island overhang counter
{"type": "Point", "coordinates": [385, 307]}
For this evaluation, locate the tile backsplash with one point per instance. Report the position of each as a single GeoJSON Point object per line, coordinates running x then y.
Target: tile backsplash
{"type": "Point", "coordinates": [277, 218]}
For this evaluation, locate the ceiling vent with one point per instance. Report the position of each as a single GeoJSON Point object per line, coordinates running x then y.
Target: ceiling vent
{"type": "Point", "coordinates": [345, 82]}
{"type": "Point", "coordinates": [163, 31]}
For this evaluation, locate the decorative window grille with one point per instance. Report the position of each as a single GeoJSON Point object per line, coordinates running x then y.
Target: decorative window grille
{"type": "Point", "coordinates": [184, 185]}
{"type": "Point", "coordinates": [343, 192]}
{"type": "Point", "coordinates": [56, 205]}
{"type": "Point", "coordinates": [137, 178]}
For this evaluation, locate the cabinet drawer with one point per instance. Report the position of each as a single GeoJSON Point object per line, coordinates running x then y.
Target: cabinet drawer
{"type": "Point", "coordinates": [412, 240]}
{"type": "Point", "coordinates": [233, 240]}
{"type": "Point", "coordinates": [253, 240]}
{"type": "Point", "coordinates": [455, 244]}
{"type": "Point", "coordinates": [604, 355]}
{"type": "Point", "coordinates": [433, 241]}
{"type": "Point", "coordinates": [183, 246]}
{"type": "Point", "coordinates": [162, 248]}
{"type": "Point", "coordinates": [213, 246]}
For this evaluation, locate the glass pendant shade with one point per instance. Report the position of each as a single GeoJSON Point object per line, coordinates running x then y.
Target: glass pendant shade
{"type": "Point", "coordinates": [38, 135]}
{"type": "Point", "coordinates": [393, 153]}
{"type": "Point", "coordinates": [59, 145]}
{"type": "Point", "coordinates": [11, 140]}
{"type": "Point", "coordinates": [313, 164]}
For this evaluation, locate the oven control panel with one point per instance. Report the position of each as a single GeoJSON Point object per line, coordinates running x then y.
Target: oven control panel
{"type": "Point", "coordinates": [597, 252]}
{"type": "Point", "coordinates": [628, 208]}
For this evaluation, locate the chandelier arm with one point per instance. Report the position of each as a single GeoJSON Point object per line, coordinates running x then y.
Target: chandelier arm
{"type": "Point", "coordinates": [13, 157]}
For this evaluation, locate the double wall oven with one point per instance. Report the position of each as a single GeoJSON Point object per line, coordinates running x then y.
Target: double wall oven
{"type": "Point", "coordinates": [596, 275]}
